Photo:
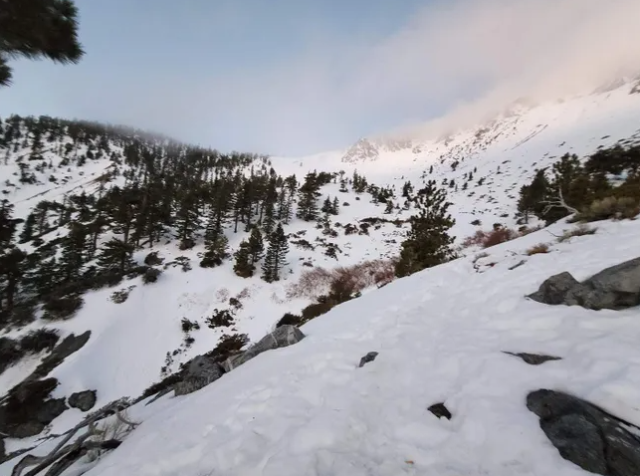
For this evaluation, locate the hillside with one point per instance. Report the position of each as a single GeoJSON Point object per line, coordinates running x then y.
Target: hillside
{"type": "Point", "coordinates": [101, 200]}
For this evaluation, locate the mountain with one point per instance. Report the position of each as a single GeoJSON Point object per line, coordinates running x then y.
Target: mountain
{"type": "Point", "coordinates": [135, 237]}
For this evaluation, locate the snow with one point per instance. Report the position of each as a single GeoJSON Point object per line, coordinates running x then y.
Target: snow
{"type": "Point", "coordinates": [308, 409]}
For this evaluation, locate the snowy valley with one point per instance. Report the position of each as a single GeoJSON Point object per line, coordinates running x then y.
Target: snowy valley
{"type": "Point", "coordinates": [440, 338]}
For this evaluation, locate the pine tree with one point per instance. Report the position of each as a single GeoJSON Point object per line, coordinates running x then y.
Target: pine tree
{"type": "Point", "coordinates": [389, 208]}
{"type": "Point", "coordinates": [243, 267]}
{"type": "Point", "coordinates": [428, 243]}
{"type": "Point", "coordinates": [38, 29]}
{"type": "Point", "coordinates": [256, 246]}
{"type": "Point", "coordinates": [307, 205]}
{"type": "Point", "coordinates": [276, 256]}
{"type": "Point", "coordinates": [116, 256]}
{"type": "Point", "coordinates": [216, 251]}
{"type": "Point", "coordinates": [335, 210]}
{"type": "Point", "coordinates": [269, 220]}
{"type": "Point", "coordinates": [327, 206]}
{"type": "Point", "coordinates": [74, 251]}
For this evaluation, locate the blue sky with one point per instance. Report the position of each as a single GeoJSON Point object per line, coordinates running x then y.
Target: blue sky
{"type": "Point", "coordinates": [295, 76]}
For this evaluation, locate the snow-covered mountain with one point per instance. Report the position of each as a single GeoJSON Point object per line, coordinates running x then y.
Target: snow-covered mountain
{"type": "Point", "coordinates": [440, 335]}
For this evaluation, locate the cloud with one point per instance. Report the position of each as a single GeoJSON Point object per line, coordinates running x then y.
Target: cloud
{"type": "Point", "coordinates": [464, 58]}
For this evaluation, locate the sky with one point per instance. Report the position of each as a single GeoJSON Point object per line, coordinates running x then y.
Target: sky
{"type": "Point", "coordinates": [295, 77]}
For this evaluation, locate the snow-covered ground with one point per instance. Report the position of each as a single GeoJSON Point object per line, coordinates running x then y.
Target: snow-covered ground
{"type": "Point", "coordinates": [307, 409]}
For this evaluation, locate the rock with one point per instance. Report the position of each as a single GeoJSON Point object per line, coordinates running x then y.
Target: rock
{"type": "Point", "coordinates": [617, 287]}
{"type": "Point", "coordinates": [555, 289]}
{"type": "Point", "coordinates": [533, 359]}
{"type": "Point", "coordinates": [198, 373]}
{"type": "Point", "coordinates": [3, 451]}
{"type": "Point", "coordinates": [283, 336]}
{"type": "Point", "coordinates": [83, 400]}
{"type": "Point", "coordinates": [64, 349]}
{"type": "Point", "coordinates": [28, 409]}
{"type": "Point", "coordinates": [370, 357]}
{"type": "Point", "coordinates": [440, 411]}
{"type": "Point", "coordinates": [587, 435]}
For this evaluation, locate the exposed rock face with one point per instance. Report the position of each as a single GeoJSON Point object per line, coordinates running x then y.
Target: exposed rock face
{"type": "Point", "coordinates": [83, 400]}
{"type": "Point", "coordinates": [440, 411]}
{"type": "Point", "coordinates": [554, 290]}
{"type": "Point", "coordinates": [199, 372]}
{"type": "Point", "coordinates": [533, 359]}
{"type": "Point", "coordinates": [370, 357]}
{"type": "Point", "coordinates": [586, 435]}
{"type": "Point", "coordinates": [28, 408]}
{"type": "Point", "coordinates": [202, 370]}
{"type": "Point", "coordinates": [617, 287]}
{"type": "Point", "coordinates": [283, 336]}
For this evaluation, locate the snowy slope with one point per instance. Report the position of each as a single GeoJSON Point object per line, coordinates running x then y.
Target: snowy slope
{"type": "Point", "coordinates": [308, 410]}
{"type": "Point", "coordinates": [434, 331]}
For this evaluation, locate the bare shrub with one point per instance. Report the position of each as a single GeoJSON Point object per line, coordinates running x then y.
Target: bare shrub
{"type": "Point", "coordinates": [318, 281]}
{"type": "Point", "coordinates": [580, 230]}
{"type": "Point", "coordinates": [538, 249]}
{"type": "Point", "coordinates": [222, 295]}
{"type": "Point", "coordinates": [487, 239]}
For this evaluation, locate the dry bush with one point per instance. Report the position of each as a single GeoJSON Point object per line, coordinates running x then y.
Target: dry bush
{"type": "Point", "coordinates": [318, 281]}
{"type": "Point", "coordinates": [618, 208]}
{"type": "Point", "coordinates": [538, 249]}
{"type": "Point", "coordinates": [245, 293]}
{"type": "Point", "coordinates": [487, 239]}
{"type": "Point", "coordinates": [580, 230]}
{"type": "Point", "coordinates": [222, 295]}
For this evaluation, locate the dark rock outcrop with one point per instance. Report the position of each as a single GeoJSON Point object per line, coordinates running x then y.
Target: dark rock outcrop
{"type": "Point", "coordinates": [587, 435]}
{"type": "Point", "coordinates": [370, 357]}
{"type": "Point", "coordinates": [617, 287]}
{"type": "Point", "coordinates": [204, 369]}
{"type": "Point", "coordinates": [28, 409]}
{"type": "Point", "coordinates": [83, 400]}
{"type": "Point", "coordinates": [198, 372]}
{"type": "Point", "coordinates": [283, 336]}
{"type": "Point", "coordinates": [533, 359]}
{"type": "Point", "coordinates": [440, 411]}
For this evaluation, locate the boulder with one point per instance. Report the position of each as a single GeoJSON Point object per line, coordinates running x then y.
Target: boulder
{"type": "Point", "coordinates": [555, 289]}
{"type": "Point", "coordinates": [83, 400]}
{"type": "Point", "coordinates": [533, 359]}
{"type": "Point", "coordinates": [440, 411]}
{"type": "Point", "coordinates": [198, 372]}
{"type": "Point", "coordinates": [283, 336]}
{"type": "Point", "coordinates": [28, 409]}
{"type": "Point", "coordinates": [370, 357]}
{"type": "Point", "coordinates": [587, 435]}
{"type": "Point", "coordinates": [617, 287]}
{"type": "Point", "coordinates": [3, 451]}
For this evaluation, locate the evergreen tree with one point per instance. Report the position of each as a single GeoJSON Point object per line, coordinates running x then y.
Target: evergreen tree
{"type": "Point", "coordinates": [336, 207]}
{"type": "Point", "coordinates": [216, 250]}
{"type": "Point", "coordinates": [327, 206]}
{"type": "Point", "coordinates": [389, 208]}
{"type": "Point", "coordinates": [307, 205]}
{"type": "Point", "coordinates": [243, 267]}
{"type": "Point", "coordinates": [428, 243]}
{"type": "Point", "coordinates": [116, 256]}
{"type": "Point", "coordinates": [74, 251]}
{"type": "Point", "coordinates": [255, 246]}
{"type": "Point", "coordinates": [37, 29]}
{"type": "Point", "coordinates": [275, 258]}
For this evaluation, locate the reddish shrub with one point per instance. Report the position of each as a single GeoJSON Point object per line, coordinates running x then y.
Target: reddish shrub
{"type": "Point", "coordinates": [487, 239]}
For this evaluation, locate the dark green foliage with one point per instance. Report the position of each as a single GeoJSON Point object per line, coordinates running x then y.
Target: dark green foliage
{"type": "Point", "coordinates": [39, 340]}
{"type": "Point", "coordinates": [152, 259]}
{"type": "Point", "coordinates": [309, 193]}
{"type": "Point", "coordinates": [188, 326]}
{"type": "Point", "coordinates": [61, 307]}
{"type": "Point", "coordinates": [276, 256]}
{"type": "Point", "coordinates": [220, 318]}
{"type": "Point", "coordinates": [255, 246]}
{"type": "Point", "coordinates": [151, 275]}
{"type": "Point", "coordinates": [242, 266]}
{"type": "Point", "coordinates": [37, 29]}
{"type": "Point", "coordinates": [428, 243]}
{"type": "Point", "coordinates": [229, 345]}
